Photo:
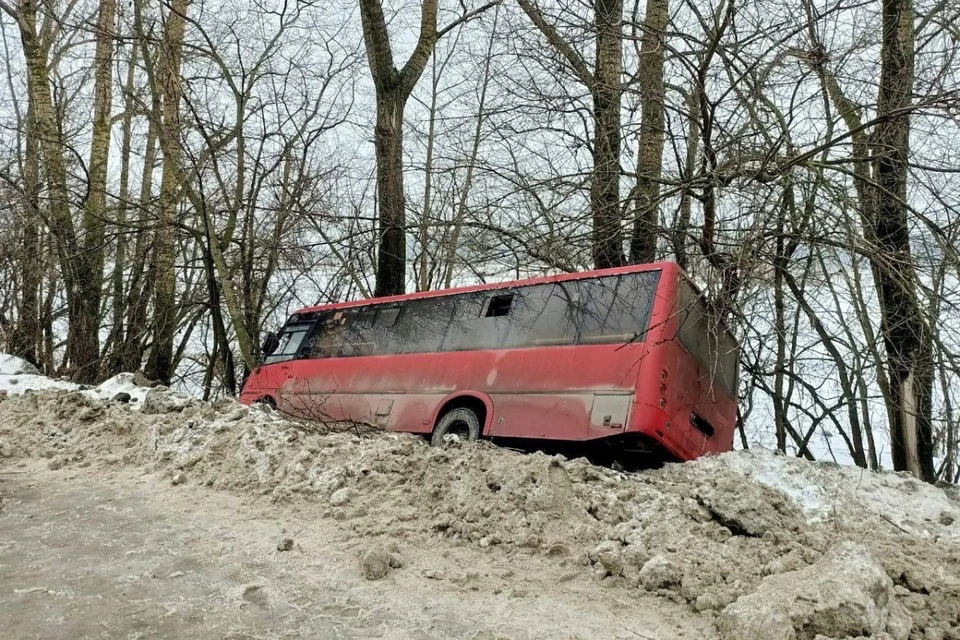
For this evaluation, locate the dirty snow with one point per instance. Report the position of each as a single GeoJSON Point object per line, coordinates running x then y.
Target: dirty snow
{"type": "Point", "coordinates": [825, 491]}
{"type": "Point", "coordinates": [12, 365]}
{"type": "Point", "coordinates": [18, 377]}
{"type": "Point", "coordinates": [705, 535]}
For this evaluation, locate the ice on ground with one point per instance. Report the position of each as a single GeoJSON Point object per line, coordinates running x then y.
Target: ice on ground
{"type": "Point", "coordinates": [826, 491]}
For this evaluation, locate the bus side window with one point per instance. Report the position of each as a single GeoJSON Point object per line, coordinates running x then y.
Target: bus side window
{"type": "Point", "coordinates": [543, 315]}
{"type": "Point", "coordinates": [707, 339]}
{"type": "Point", "coordinates": [329, 337]}
{"type": "Point", "coordinates": [387, 316]}
{"type": "Point", "coordinates": [471, 327]}
{"type": "Point", "coordinates": [633, 304]}
{"type": "Point", "coordinates": [383, 333]}
{"type": "Point", "coordinates": [617, 308]}
{"type": "Point", "coordinates": [597, 298]}
{"type": "Point", "coordinates": [357, 336]}
{"type": "Point", "coordinates": [422, 325]}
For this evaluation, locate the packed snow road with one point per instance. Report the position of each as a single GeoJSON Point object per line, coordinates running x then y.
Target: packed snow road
{"type": "Point", "coordinates": [119, 554]}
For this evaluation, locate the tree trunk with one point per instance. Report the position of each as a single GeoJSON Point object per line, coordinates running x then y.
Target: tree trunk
{"type": "Point", "coordinates": [780, 329]}
{"type": "Point", "coordinates": [604, 86]}
{"type": "Point", "coordinates": [26, 336]}
{"type": "Point", "coordinates": [82, 342]}
{"type": "Point", "coordinates": [605, 186]}
{"type": "Point", "coordinates": [393, 87]}
{"type": "Point", "coordinates": [140, 288]}
{"type": "Point", "coordinates": [221, 346]}
{"type": "Point", "coordinates": [646, 200]}
{"type": "Point", "coordinates": [391, 214]}
{"type": "Point", "coordinates": [160, 364]}
{"type": "Point", "coordinates": [118, 281]}
{"type": "Point", "coordinates": [681, 225]}
{"type": "Point", "coordinates": [95, 208]}
{"type": "Point", "coordinates": [905, 334]}
{"type": "Point", "coordinates": [47, 354]}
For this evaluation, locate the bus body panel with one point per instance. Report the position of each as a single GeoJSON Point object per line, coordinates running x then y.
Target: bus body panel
{"type": "Point", "coordinates": [534, 392]}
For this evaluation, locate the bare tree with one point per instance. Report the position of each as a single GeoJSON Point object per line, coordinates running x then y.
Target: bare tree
{"type": "Point", "coordinates": [95, 207]}
{"type": "Point", "coordinates": [78, 270]}
{"type": "Point", "coordinates": [167, 95]}
{"type": "Point", "coordinates": [646, 193]}
{"type": "Point", "coordinates": [393, 87]}
{"type": "Point", "coordinates": [905, 333]}
{"type": "Point", "coordinates": [604, 84]}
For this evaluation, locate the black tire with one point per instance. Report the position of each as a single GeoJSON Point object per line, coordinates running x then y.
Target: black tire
{"type": "Point", "coordinates": [462, 423]}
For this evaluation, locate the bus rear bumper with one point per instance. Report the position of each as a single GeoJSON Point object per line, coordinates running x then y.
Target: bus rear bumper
{"type": "Point", "coordinates": [681, 440]}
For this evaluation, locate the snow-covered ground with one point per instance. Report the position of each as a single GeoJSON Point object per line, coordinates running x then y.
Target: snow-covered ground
{"type": "Point", "coordinates": [751, 544]}
{"type": "Point", "coordinates": [824, 489]}
{"type": "Point", "coordinates": [17, 376]}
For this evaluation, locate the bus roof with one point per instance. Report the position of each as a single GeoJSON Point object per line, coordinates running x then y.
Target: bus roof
{"type": "Point", "coordinates": [435, 293]}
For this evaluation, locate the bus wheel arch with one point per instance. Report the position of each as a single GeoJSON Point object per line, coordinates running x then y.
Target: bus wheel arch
{"type": "Point", "coordinates": [266, 401]}
{"type": "Point", "coordinates": [479, 403]}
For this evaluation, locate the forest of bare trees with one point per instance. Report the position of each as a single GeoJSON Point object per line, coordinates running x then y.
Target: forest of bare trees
{"type": "Point", "coordinates": [175, 177]}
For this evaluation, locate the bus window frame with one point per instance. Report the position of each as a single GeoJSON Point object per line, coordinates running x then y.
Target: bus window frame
{"type": "Point", "coordinates": [572, 294]}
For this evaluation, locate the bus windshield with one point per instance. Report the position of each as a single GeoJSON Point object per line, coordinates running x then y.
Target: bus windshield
{"type": "Point", "coordinates": [290, 340]}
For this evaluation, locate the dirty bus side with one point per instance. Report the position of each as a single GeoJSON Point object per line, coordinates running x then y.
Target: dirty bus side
{"type": "Point", "coordinates": [611, 354]}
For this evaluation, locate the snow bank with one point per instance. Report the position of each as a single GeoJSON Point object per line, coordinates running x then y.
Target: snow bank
{"type": "Point", "coordinates": [18, 377]}
{"type": "Point", "coordinates": [707, 533]}
{"type": "Point", "coordinates": [825, 492]}
{"type": "Point", "coordinates": [119, 385]}
{"type": "Point", "coordinates": [12, 366]}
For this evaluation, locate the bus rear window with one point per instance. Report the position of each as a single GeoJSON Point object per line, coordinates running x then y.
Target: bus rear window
{"type": "Point", "coordinates": [707, 339]}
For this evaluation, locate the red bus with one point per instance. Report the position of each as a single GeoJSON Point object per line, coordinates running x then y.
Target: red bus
{"type": "Point", "coordinates": [626, 356]}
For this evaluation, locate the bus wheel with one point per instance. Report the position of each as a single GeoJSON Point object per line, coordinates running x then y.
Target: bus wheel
{"type": "Point", "coordinates": [456, 426]}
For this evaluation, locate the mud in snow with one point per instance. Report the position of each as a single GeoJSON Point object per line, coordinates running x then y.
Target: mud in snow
{"type": "Point", "coordinates": [743, 546]}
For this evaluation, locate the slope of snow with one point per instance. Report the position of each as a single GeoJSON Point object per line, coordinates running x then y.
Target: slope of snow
{"type": "Point", "coordinates": [12, 365]}
{"type": "Point", "coordinates": [824, 490]}
{"type": "Point", "coordinates": [17, 377]}
{"type": "Point", "coordinates": [708, 533]}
